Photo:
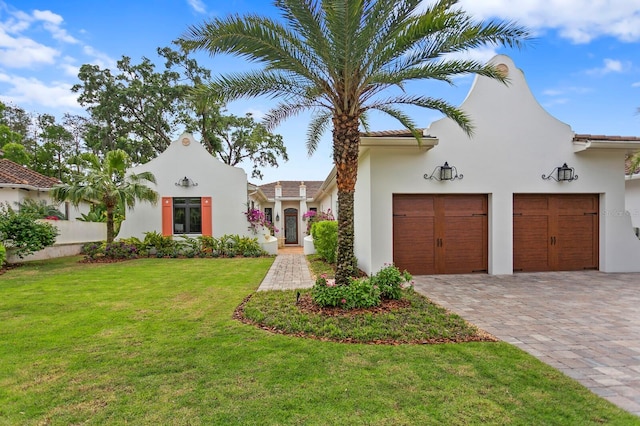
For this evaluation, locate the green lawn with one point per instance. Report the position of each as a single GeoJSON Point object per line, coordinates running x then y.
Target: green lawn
{"type": "Point", "coordinates": [152, 341]}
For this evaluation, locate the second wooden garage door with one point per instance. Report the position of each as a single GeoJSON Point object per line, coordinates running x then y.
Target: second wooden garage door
{"type": "Point", "coordinates": [440, 234]}
{"type": "Point", "coordinates": [555, 232]}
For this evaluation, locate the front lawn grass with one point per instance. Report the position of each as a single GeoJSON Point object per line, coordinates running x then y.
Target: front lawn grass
{"type": "Point", "coordinates": [152, 341]}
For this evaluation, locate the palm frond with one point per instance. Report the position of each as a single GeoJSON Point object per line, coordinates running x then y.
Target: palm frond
{"type": "Point", "coordinates": [403, 118]}
{"type": "Point", "coordinates": [441, 105]}
{"type": "Point", "coordinates": [318, 126]}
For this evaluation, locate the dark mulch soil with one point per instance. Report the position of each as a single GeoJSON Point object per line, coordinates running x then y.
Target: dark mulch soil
{"type": "Point", "coordinates": [305, 304]}
{"type": "Point", "coordinates": [9, 266]}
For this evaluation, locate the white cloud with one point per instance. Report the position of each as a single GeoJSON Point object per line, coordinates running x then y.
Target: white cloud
{"type": "Point", "coordinates": [99, 58]}
{"type": "Point", "coordinates": [557, 101]}
{"type": "Point", "coordinates": [31, 91]}
{"type": "Point", "coordinates": [577, 20]}
{"type": "Point", "coordinates": [197, 5]}
{"type": "Point", "coordinates": [636, 84]}
{"type": "Point", "coordinates": [610, 66]}
{"type": "Point", "coordinates": [22, 52]}
{"type": "Point", "coordinates": [562, 91]}
{"type": "Point", "coordinates": [481, 54]}
{"type": "Point", "coordinates": [256, 113]}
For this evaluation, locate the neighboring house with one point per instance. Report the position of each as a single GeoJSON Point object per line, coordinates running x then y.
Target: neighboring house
{"type": "Point", "coordinates": [506, 212]}
{"type": "Point", "coordinates": [284, 204]}
{"type": "Point", "coordinates": [19, 183]}
{"type": "Point", "coordinates": [197, 195]}
{"type": "Point", "coordinates": [632, 189]}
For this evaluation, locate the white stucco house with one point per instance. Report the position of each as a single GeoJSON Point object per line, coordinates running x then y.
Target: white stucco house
{"type": "Point", "coordinates": [523, 193]}
{"type": "Point", "coordinates": [197, 194]}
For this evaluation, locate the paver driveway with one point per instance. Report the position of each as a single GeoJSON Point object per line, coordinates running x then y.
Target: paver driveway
{"type": "Point", "coordinates": [585, 324]}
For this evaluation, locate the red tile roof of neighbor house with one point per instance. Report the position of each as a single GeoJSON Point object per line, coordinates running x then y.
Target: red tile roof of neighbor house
{"type": "Point", "coordinates": [291, 188]}
{"type": "Point", "coordinates": [584, 138]}
{"type": "Point", "coordinates": [14, 174]}
{"type": "Point", "coordinates": [404, 133]}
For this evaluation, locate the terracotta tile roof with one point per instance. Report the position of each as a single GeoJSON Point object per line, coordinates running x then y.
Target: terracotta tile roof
{"type": "Point", "coordinates": [404, 133]}
{"type": "Point", "coordinates": [291, 188]}
{"type": "Point", "coordinates": [584, 138]}
{"type": "Point", "coordinates": [627, 166]}
{"type": "Point", "coordinates": [14, 174]}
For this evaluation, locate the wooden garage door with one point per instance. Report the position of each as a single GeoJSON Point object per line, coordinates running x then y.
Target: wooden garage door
{"type": "Point", "coordinates": [440, 234]}
{"type": "Point", "coordinates": [555, 232]}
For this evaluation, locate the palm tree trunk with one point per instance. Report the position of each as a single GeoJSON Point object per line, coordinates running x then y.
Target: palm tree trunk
{"type": "Point", "coordinates": [110, 231]}
{"type": "Point", "coordinates": [346, 141]}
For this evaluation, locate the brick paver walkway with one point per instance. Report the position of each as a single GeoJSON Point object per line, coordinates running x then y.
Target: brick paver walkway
{"type": "Point", "coordinates": [287, 272]}
{"type": "Point", "coordinates": [585, 324]}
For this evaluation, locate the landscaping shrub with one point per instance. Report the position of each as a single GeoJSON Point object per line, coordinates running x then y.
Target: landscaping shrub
{"type": "Point", "coordinates": [93, 250]}
{"type": "Point", "coordinates": [314, 217]}
{"type": "Point", "coordinates": [162, 244]}
{"type": "Point", "coordinates": [120, 250]}
{"type": "Point", "coordinates": [388, 283]}
{"type": "Point", "coordinates": [391, 281]}
{"type": "Point", "coordinates": [3, 255]}
{"type": "Point", "coordinates": [325, 239]}
{"type": "Point", "coordinates": [22, 233]}
{"type": "Point", "coordinates": [360, 293]}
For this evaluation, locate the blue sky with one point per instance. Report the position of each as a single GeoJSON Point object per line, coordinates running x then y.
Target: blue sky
{"type": "Point", "coordinates": [583, 66]}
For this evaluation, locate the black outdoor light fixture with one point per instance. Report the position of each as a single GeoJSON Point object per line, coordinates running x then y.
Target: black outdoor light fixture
{"type": "Point", "coordinates": [445, 172]}
{"type": "Point", "coordinates": [185, 182]}
{"type": "Point", "coordinates": [277, 217]}
{"type": "Point", "coordinates": [563, 173]}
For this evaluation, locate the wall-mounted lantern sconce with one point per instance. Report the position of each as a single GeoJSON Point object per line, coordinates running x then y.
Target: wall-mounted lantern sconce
{"type": "Point", "coordinates": [563, 173]}
{"type": "Point", "coordinates": [445, 172]}
{"type": "Point", "coordinates": [277, 217]}
{"type": "Point", "coordinates": [185, 182]}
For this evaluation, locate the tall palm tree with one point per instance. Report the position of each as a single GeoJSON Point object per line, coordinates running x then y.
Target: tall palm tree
{"type": "Point", "coordinates": [336, 57]}
{"type": "Point", "coordinates": [107, 183]}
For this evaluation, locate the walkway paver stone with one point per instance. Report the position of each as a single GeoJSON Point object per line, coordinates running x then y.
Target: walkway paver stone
{"type": "Point", "coordinates": [585, 324]}
{"type": "Point", "coordinates": [288, 271]}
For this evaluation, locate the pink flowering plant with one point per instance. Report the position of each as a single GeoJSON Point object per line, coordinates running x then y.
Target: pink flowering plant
{"type": "Point", "coordinates": [313, 216]}
{"type": "Point", "coordinates": [257, 219]}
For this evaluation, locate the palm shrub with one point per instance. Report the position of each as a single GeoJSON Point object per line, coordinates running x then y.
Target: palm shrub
{"type": "Point", "coordinates": [107, 183]}
{"type": "Point", "coordinates": [40, 209]}
{"type": "Point", "coordinates": [325, 239]}
{"type": "Point", "coordinates": [337, 58]}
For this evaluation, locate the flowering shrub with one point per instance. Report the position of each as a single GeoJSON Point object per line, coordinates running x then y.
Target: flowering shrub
{"type": "Point", "coordinates": [120, 250]}
{"type": "Point", "coordinates": [257, 219]}
{"type": "Point", "coordinates": [388, 283]}
{"type": "Point", "coordinates": [360, 293]}
{"type": "Point", "coordinates": [93, 250]}
{"type": "Point", "coordinates": [391, 281]}
{"type": "Point", "coordinates": [313, 216]}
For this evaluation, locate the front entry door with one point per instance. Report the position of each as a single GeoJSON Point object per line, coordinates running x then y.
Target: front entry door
{"type": "Point", "coordinates": [291, 226]}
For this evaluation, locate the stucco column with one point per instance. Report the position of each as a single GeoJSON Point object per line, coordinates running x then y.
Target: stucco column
{"type": "Point", "coordinates": [278, 213]}
{"type": "Point", "coordinates": [500, 233]}
{"type": "Point", "coordinates": [302, 225]}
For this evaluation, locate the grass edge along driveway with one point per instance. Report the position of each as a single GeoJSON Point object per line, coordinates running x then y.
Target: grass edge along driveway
{"type": "Point", "coordinates": [152, 341]}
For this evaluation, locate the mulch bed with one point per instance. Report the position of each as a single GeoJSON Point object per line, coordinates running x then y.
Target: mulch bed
{"type": "Point", "coordinates": [305, 304]}
{"type": "Point", "coordinates": [9, 266]}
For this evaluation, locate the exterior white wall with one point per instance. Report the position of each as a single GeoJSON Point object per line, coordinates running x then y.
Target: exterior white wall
{"type": "Point", "coordinates": [632, 199]}
{"type": "Point", "coordinates": [362, 201]}
{"type": "Point", "coordinates": [514, 142]}
{"type": "Point", "coordinates": [225, 184]}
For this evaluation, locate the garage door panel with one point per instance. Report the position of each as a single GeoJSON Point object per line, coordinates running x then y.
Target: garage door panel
{"type": "Point", "coordinates": [576, 243]}
{"type": "Point", "coordinates": [528, 203]}
{"type": "Point", "coordinates": [564, 237]}
{"type": "Point", "coordinates": [413, 205]}
{"type": "Point", "coordinates": [531, 243]}
{"type": "Point", "coordinates": [424, 225]}
{"type": "Point", "coordinates": [463, 205]}
{"type": "Point", "coordinates": [464, 242]}
{"type": "Point", "coordinates": [413, 244]}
